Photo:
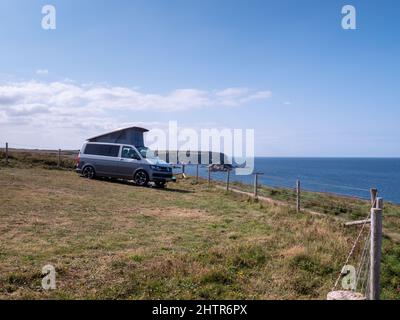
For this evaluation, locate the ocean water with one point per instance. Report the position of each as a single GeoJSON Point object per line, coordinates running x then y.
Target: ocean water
{"type": "Point", "coordinates": [343, 176]}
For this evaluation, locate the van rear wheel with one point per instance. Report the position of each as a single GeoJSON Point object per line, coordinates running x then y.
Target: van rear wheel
{"type": "Point", "coordinates": [141, 178]}
{"type": "Point", "coordinates": [88, 172]}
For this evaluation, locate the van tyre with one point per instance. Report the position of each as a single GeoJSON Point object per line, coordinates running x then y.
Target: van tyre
{"type": "Point", "coordinates": [88, 172]}
{"type": "Point", "coordinates": [141, 178]}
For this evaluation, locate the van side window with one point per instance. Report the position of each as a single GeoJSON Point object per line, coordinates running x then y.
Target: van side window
{"type": "Point", "coordinates": [102, 150]}
{"type": "Point", "coordinates": [130, 153]}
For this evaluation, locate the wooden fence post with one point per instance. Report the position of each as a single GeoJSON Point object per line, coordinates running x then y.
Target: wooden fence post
{"type": "Point", "coordinates": [183, 171]}
{"type": "Point", "coordinates": [376, 249]}
{"type": "Point", "coordinates": [7, 153]}
{"type": "Point", "coordinates": [59, 159]}
{"type": "Point", "coordinates": [227, 179]}
{"type": "Point", "coordinates": [374, 193]}
{"type": "Point", "coordinates": [197, 173]}
{"type": "Point", "coordinates": [298, 196]}
{"type": "Point", "coordinates": [256, 186]}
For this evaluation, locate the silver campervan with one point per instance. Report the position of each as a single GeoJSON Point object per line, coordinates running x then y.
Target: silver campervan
{"type": "Point", "coordinates": [123, 161]}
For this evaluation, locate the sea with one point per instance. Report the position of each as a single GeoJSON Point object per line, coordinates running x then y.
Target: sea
{"type": "Point", "coordinates": [343, 176]}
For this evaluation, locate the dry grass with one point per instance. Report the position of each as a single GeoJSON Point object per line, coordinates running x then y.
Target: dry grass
{"type": "Point", "coordinates": [116, 241]}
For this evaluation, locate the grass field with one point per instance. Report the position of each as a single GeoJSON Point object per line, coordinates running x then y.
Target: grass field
{"type": "Point", "coordinates": [113, 240]}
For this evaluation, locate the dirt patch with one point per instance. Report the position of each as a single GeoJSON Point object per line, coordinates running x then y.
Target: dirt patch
{"type": "Point", "coordinates": [176, 212]}
{"type": "Point", "coordinates": [294, 251]}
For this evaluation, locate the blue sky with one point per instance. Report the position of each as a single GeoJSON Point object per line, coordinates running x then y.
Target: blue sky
{"type": "Point", "coordinates": [284, 68]}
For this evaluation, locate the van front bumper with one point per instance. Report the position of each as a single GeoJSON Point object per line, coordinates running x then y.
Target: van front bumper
{"type": "Point", "coordinates": [161, 176]}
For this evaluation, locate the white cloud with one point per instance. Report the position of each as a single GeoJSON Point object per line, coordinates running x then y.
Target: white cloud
{"type": "Point", "coordinates": [233, 92]}
{"type": "Point", "coordinates": [64, 112]}
{"type": "Point", "coordinates": [60, 100]}
{"type": "Point", "coordinates": [240, 96]}
{"type": "Point", "coordinates": [42, 71]}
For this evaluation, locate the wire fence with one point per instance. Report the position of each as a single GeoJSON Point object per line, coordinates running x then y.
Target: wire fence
{"type": "Point", "coordinates": [21, 155]}
{"type": "Point", "coordinates": [303, 197]}
{"type": "Point", "coordinates": [360, 274]}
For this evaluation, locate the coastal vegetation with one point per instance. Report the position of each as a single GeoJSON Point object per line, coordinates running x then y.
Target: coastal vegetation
{"type": "Point", "coordinates": [113, 240]}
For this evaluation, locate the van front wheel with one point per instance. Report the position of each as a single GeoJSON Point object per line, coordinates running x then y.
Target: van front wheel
{"type": "Point", "coordinates": [141, 178]}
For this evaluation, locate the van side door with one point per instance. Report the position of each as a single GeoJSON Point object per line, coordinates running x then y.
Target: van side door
{"type": "Point", "coordinates": [130, 160]}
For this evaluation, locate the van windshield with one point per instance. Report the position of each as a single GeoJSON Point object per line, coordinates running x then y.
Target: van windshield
{"type": "Point", "coordinates": [147, 153]}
